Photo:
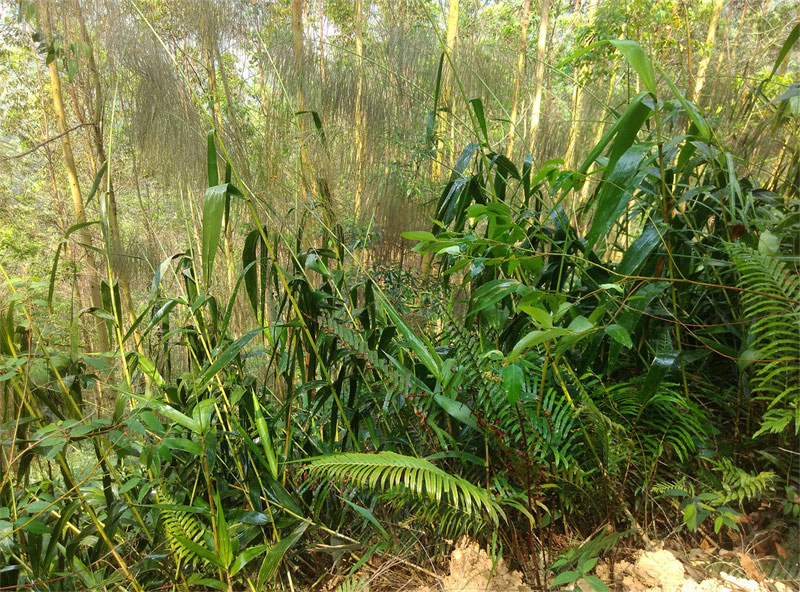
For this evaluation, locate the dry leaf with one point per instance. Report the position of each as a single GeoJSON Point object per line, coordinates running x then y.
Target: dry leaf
{"type": "Point", "coordinates": [750, 568]}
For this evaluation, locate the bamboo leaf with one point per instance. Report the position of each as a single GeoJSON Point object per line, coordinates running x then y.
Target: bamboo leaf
{"type": "Point", "coordinates": [639, 62]}
{"type": "Point", "coordinates": [200, 551]}
{"type": "Point", "coordinates": [275, 555]}
{"type": "Point", "coordinates": [615, 193]}
{"type": "Point", "coordinates": [513, 378]}
{"type": "Point", "coordinates": [619, 334]}
{"type": "Point", "coordinates": [230, 352]}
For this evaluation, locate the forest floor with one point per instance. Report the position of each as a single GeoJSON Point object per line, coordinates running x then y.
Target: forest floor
{"type": "Point", "coordinates": [471, 569]}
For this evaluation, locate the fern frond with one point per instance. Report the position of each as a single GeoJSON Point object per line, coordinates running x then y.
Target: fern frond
{"type": "Point", "coordinates": [178, 525]}
{"type": "Point", "coordinates": [354, 583]}
{"type": "Point", "coordinates": [388, 470]}
{"type": "Point", "coordinates": [446, 521]}
{"type": "Point", "coordinates": [739, 485]}
{"type": "Point", "coordinates": [771, 304]}
{"type": "Point", "coordinates": [395, 380]}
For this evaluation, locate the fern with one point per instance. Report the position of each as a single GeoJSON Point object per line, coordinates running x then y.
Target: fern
{"type": "Point", "coordinates": [661, 421]}
{"type": "Point", "coordinates": [446, 521]}
{"type": "Point", "coordinates": [390, 470]}
{"type": "Point", "coordinates": [353, 583]}
{"type": "Point", "coordinates": [180, 526]}
{"type": "Point", "coordinates": [539, 430]}
{"type": "Point", "coordinates": [396, 380]}
{"type": "Point", "coordinates": [772, 304]}
{"type": "Point", "coordinates": [739, 485]}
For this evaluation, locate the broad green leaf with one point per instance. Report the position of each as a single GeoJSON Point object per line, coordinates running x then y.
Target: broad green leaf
{"type": "Point", "coordinates": [639, 250]}
{"type": "Point", "coordinates": [480, 118]}
{"type": "Point", "coordinates": [623, 133]}
{"type": "Point", "coordinates": [213, 213]}
{"type": "Point", "coordinates": [662, 364]}
{"type": "Point", "coordinates": [213, 168]}
{"type": "Point", "coordinates": [513, 377]}
{"type": "Point", "coordinates": [491, 293]}
{"type": "Point", "coordinates": [619, 334]}
{"type": "Point", "coordinates": [580, 324]}
{"type": "Point", "coordinates": [535, 338]}
{"type": "Point", "coordinates": [266, 440]}
{"type": "Point", "coordinates": [36, 526]}
{"type": "Point", "coordinates": [167, 411]}
{"type": "Point", "coordinates": [275, 554]}
{"type": "Point", "coordinates": [223, 538]}
{"type": "Point", "coordinates": [690, 516]}
{"type": "Point", "coordinates": [202, 414]}
{"type": "Point", "coordinates": [638, 61]}
{"type": "Point", "coordinates": [616, 191]}
{"type": "Point", "coordinates": [224, 358]}
{"type": "Point", "coordinates": [769, 244]}
{"type": "Point", "coordinates": [457, 410]}
{"type": "Point", "coordinates": [596, 583]}
{"type": "Point", "coordinates": [200, 551]}
{"type": "Point", "coordinates": [540, 316]}
{"type": "Point", "coordinates": [430, 128]}
{"type": "Point", "coordinates": [246, 556]}
{"type": "Point", "coordinates": [700, 123]}
{"type": "Point", "coordinates": [418, 344]}
{"type": "Point", "coordinates": [251, 265]}
{"type": "Point", "coordinates": [565, 577]}
{"type": "Point", "coordinates": [791, 39]}
{"type": "Point", "coordinates": [184, 444]}
{"type": "Point", "coordinates": [418, 235]}
{"type": "Point", "coordinates": [130, 484]}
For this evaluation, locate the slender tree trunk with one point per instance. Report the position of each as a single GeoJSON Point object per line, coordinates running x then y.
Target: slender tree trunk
{"type": "Point", "coordinates": [211, 55]}
{"type": "Point", "coordinates": [360, 124]}
{"type": "Point", "coordinates": [323, 185]}
{"type": "Point", "coordinates": [452, 49]}
{"type": "Point", "coordinates": [446, 108]}
{"type": "Point", "coordinates": [96, 110]}
{"type": "Point", "coordinates": [322, 72]}
{"type": "Point", "coordinates": [702, 68]}
{"type": "Point", "coordinates": [522, 56]}
{"type": "Point", "coordinates": [297, 45]}
{"type": "Point", "coordinates": [785, 62]}
{"type": "Point", "coordinates": [578, 102]}
{"type": "Point", "coordinates": [538, 78]}
{"type": "Point", "coordinates": [446, 94]}
{"type": "Point", "coordinates": [77, 200]}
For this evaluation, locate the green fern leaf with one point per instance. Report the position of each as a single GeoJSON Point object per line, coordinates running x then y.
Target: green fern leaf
{"type": "Point", "coordinates": [386, 470]}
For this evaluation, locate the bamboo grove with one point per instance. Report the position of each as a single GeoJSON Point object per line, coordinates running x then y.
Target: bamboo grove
{"type": "Point", "coordinates": [293, 289]}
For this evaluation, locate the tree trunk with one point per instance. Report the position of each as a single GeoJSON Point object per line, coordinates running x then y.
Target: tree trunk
{"type": "Point", "coordinates": [700, 79]}
{"type": "Point", "coordinates": [522, 56]}
{"type": "Point", "coordinates": [96, 110]}
{"type": "Point", "coordinates": [297, 45]}
{"type": "Point", "coordinates": [227, 231]}
{"type": "Point", "coordinates": [77, 200]}
{"type": "Point", "coordinates": [538, 79]}
{"type": "Point", "coordinates": [360, 123]}
{"type": "Point", "coordinates": [322, 72]}
{"type": "Point", "coordinates": [446, 93]}
{"type": "Point", "coordinates": [578, 102]}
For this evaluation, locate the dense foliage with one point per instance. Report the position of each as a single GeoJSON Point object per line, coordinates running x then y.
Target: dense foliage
{"type": "Point", "coordinates": [587, 350]}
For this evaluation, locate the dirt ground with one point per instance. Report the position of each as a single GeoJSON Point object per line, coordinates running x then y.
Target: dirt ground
{"type": "Point", "coordinates": [471, 570]}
